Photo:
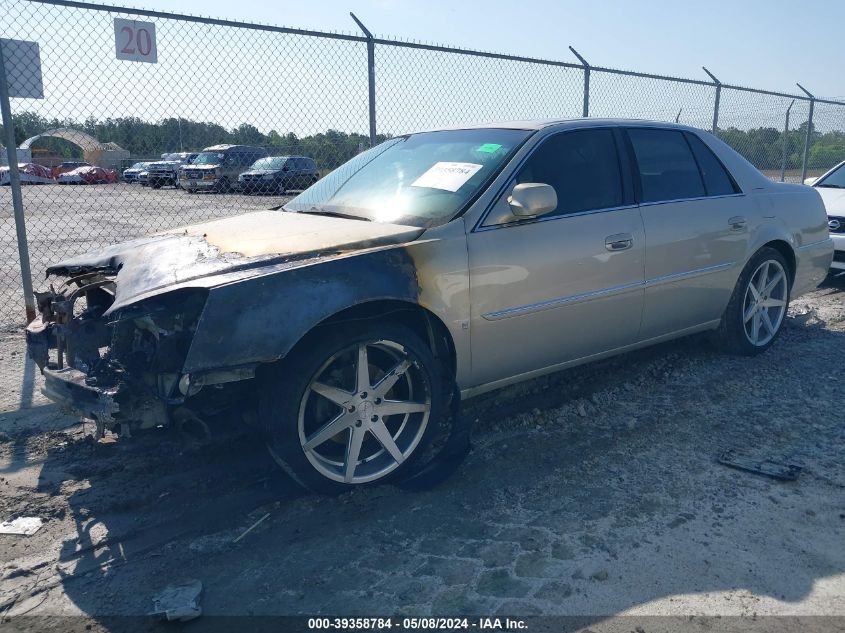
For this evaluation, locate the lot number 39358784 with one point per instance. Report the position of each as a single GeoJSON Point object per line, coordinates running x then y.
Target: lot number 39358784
{"type": "Point", "coordinates": [135, 41]}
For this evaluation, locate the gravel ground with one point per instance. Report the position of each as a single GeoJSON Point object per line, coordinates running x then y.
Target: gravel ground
{"type": "Point", "coordinates": [594, 492]}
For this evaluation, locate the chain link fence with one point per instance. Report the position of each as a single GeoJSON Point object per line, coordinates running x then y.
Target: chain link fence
{"type": "Point", "coordinates": [290, 92]}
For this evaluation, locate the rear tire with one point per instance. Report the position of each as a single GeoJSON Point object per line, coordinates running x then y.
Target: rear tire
{"type": "Point", "coordinates": [333, 427]}
{"type": "Point", "coordinates": [757, 309]}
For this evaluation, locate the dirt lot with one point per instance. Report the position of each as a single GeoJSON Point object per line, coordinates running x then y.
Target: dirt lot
{"type": "Point", "coordinates": [594, 492]}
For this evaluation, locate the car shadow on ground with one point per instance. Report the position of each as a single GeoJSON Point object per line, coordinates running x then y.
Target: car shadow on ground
{"type": "Point", "coordinates": [591, 492]}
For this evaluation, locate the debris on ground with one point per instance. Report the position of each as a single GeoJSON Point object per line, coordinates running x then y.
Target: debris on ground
{"type": "Point", "coordinates": [179, 602]}
{"type": "Point", "coordinates": [252, 527]}
{"type": "Point", "coordinates": [768, 467]}
{"type": "Point", "coordinates": [24, 526]}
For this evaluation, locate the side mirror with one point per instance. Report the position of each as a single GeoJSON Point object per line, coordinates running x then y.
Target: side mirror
{"type": "Point", "coordinates": [532, 199]}
{"type": "Point", "coordinates": [810, 181]}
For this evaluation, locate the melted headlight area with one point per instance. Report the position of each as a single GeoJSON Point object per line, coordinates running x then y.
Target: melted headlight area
{"type": "Point", "coordinates": [122, 369]}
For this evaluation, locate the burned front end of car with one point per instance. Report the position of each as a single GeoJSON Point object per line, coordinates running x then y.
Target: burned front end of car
{"type": "Point", "coordinates": [121, 368]}
{"type": "Point", "coordinates": [174, 325]}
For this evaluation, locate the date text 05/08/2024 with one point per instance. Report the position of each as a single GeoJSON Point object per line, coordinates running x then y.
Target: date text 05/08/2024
{"type": "Point", "coordinates": [413, 624]}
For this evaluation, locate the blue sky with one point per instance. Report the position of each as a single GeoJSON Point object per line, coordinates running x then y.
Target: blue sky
{"type": "Point", "coordinates": [768, 44]}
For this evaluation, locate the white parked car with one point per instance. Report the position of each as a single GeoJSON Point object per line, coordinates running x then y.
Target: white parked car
{"type": "Point", "coordinates": [831, 187]}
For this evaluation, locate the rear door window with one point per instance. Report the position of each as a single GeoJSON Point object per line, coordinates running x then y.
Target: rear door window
{"type": "Point", "coordinates": [667, 168]}
{"type": "Point", "coordinates": [716, 178]}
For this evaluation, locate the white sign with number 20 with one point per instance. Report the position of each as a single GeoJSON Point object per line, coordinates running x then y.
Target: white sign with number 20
{"type": "Point", "coordinates": [135, 41]}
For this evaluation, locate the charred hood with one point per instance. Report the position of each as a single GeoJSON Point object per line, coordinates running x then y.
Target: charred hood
{"type": "Point", "coordinates": [221, 251]}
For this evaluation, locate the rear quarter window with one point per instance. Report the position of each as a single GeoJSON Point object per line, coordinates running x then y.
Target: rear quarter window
{"type": "Point", "coordinates": [717, 181]}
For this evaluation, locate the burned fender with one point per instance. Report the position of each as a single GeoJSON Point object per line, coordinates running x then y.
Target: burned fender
{"type": "Point", "coordinates": [259, 319]}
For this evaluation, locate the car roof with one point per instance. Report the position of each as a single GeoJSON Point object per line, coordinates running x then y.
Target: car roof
{"type": "Point", "coordinates": [224, 147]}
{"type": "Point", "coordinates": [540, 124]}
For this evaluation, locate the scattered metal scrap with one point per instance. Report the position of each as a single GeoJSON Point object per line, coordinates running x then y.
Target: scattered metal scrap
{"type": "Point", "coordinates": [767, 467]}
{"type": "Point", "coordinates": [179, 602]}
{"type": "Point", "coordinates": [252, 527]}
{"type": "Point", "coordinates": [24, 526]}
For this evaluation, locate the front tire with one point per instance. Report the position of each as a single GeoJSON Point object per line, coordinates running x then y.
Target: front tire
{"type": "Point", "coordinates": [757, 308]}
{"type": "Point", "coordinates": [352, 407]}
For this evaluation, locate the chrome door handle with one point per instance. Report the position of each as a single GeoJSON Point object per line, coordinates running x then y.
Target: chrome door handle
{"type": "Point", "coordinates": [737, 223]}
{"type": "Point", "coordinates": [619, 242]}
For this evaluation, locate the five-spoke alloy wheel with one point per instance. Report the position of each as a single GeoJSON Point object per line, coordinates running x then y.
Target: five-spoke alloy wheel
{"type": "Point", "coordinates": [757, 308]}
{"type": "Point", "coordinates": [765, 302]}
{"type": "Point", "coordinates": [352, 407]}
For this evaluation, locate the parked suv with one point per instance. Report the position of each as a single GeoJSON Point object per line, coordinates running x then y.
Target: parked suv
{"type": "Point", "coordinates": [165, 172]}
{"type": "Point", "coordinates": [217, 167]}
{"type": "Point", "coordinates": [279, 174]}
{"type": "Point", "coordinates": [131, 174]}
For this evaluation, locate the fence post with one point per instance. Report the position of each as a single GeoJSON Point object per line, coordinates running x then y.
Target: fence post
{"type": "Point", "coordinates": [371, 76]}
{"type": "Point", "coordinates": [17, 198]}
{"type": "Point", "coordinates": [585, 111]}
{"type": "Point", "coordinates": [809, 134]}
{"type": "Point", "coordinates": [785, 133]}
{"type": "Point", "coordinates": [716, 101]}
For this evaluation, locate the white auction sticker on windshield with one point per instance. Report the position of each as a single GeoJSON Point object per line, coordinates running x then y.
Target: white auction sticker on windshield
{"type": "Point", "coordinates": [447, 176]}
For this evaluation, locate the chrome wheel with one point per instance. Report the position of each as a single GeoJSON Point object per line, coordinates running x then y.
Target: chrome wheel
{"type": "Point", "coordinates": [765, 302]}
{"type": "Point", "coordinates": [364, 412]}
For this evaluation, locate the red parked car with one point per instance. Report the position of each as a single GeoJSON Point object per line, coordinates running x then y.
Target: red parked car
{"type": "Point", "coordinates": [67, 166]}
{"type": "Point", "coordinates": [31, 174]}
{"type": "Point", "coordinates": [88, 175]}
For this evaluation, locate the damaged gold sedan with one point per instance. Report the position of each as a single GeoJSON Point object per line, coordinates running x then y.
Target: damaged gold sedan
{"type": "Point", "coordinates": [435, 266]}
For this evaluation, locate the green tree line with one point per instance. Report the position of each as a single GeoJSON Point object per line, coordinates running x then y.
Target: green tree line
{"type": "Point", "coordinates": [763, 146]}
{"type": "Point", "coordinates": [144, 139]}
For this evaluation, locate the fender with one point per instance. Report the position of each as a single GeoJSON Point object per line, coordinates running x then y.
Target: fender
{"type": "Point", "coordinates": [260, 319]}
{"type": "Point", "coordinates": [772, 231]}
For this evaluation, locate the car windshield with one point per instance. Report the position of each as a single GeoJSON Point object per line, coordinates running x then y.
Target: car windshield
{"type": "Point", "coordinates": [421, 179]}
{"type": "Point", "coordinates": [139, 166]}
{"type": "Point", "coordinates": [835, 179]}
{"type": "Point", "coordinates": [208, 158]}
{"type": "Point", "coordinates": [271, 162]}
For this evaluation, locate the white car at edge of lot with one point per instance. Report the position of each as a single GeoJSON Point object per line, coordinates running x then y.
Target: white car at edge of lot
{"type": "Point", "coordinates": [831, 187]}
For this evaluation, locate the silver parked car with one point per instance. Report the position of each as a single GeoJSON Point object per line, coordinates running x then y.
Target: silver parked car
{"type": "Point", "coordinates": [831, 187]}
{"type": "Point", "coordinates": [432, 267]}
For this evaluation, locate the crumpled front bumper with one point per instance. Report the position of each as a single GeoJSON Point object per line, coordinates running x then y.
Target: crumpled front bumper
{"type": "Point", "coordinates": [69, 387]}
{"type": "Point", "coordinates": [72, 389]}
